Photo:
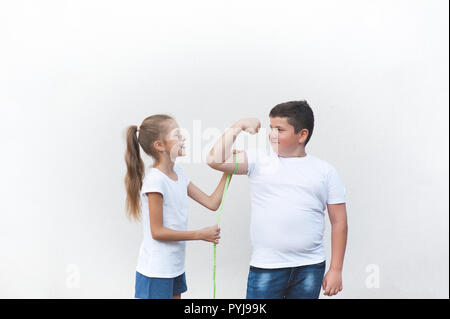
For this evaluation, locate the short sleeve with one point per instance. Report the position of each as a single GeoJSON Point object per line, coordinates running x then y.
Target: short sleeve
{"type": "Point", "coordinates": [153, 183]}
{"type": "Point", "coordinates": [251, 160]}
{"type": "Point", "coordinates": [336, 189]}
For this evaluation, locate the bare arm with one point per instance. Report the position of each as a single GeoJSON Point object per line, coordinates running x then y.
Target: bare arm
{"type": "Point", "coordinates": [212, 201]}
{"type": "Point", "coordinates": [332, 283]}
{"type": "Point", "coordinates": [221, 158]}
{"type": "Point", "coordinates": [338, 220]}
{"type": "Point", "coordinates": [160, 232]}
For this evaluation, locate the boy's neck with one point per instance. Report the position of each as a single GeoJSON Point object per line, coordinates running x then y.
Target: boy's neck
{"type": "Point", "coordinates": [300, 152]}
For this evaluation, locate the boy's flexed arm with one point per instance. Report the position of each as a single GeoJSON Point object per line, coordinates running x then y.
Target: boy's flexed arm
{"type": "Point", "coordinates": [221, 157]}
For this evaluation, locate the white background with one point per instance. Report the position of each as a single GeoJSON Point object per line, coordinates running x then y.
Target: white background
{"type": "Point", "coordinates": [75, 74]}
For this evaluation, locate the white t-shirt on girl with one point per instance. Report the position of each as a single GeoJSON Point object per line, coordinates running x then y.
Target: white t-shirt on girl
{"type": "Point", "coordinates": [164, 259]}
{"type": "Point", "coordinates": [288, 199]}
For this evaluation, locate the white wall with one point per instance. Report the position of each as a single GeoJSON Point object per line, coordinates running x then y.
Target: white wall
{"type": "Point", "coordinates": [74, 74]}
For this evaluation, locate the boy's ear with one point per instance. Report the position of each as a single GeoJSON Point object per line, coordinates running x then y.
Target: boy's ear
{"type": "Point", "coordinates": [303, 135]}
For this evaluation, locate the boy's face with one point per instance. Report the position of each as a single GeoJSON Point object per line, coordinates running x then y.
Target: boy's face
{"type": "Point", "coordinates": [282, 136]}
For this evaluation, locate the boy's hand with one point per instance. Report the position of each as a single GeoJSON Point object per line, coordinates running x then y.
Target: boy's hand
{"type": "Point", "coordinates": [332, 282]}
{"type": "Point", "coordinates": [250, 125]}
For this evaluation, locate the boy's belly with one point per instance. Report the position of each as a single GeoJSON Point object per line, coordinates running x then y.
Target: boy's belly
{"type": "Point", "coordinates": [287, 231]}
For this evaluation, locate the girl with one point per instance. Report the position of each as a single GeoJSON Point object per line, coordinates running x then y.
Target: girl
{"type": "Point", "coordinates": [163, 198]}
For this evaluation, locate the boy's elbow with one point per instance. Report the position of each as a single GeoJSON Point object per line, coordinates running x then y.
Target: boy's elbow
{"type": "Point", "coordinates": [211, 161]}
{"type": "Point", "coordinates": [342, 225]}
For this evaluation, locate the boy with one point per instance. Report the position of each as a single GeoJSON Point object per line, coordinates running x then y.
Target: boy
{"type": "Point", "coordinates": [290, 190]}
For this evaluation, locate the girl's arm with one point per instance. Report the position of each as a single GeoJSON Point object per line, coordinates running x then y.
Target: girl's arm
{"type": "Point", "coordinates": [221, 158]}
{"type": "Point", "coordinates": [159, 232]}
{"type": "Point", "coordinates": [212, 201]}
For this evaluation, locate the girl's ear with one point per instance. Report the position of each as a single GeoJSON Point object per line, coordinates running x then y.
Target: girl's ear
{"type": "Point", "coordinates": [158, 146]}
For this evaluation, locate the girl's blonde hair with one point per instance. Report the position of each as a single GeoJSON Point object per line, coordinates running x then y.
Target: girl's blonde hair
{"type": "Point", "coordinates": [152, 128]}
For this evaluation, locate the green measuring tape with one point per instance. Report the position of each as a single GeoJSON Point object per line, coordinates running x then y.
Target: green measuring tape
{"type": "Point", "coordinates": [218, 217]}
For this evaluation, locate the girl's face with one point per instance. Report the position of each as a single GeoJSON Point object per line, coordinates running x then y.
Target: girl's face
{"type": "Point", "coordinates": [174, 141]}
{"type": "Point", "coordinates": [282, 136]}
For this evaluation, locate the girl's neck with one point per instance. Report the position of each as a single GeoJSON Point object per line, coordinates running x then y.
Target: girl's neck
{"type": "Point", "coordinates": [164, 164]}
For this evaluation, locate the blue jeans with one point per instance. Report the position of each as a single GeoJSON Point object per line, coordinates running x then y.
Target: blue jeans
{"type": "Point", "coordinates": [159, 288]}
{"type": "Point", "coordinates": [302, 282]}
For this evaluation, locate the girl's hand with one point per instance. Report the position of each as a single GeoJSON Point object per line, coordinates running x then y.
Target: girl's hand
{"type": "Point", "coordinates": [250, 125]}
{"type": "Point", "coordinates": [332, 282]}
{"type": "Point", "coordinates": [211, 234]}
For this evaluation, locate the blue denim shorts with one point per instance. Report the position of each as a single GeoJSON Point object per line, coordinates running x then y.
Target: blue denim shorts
{"type": "Point", "coordinates": [159, 288]}
{"type": "Point", "coordinates": [302, 282]}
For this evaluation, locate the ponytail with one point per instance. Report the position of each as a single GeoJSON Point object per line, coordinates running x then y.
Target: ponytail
{"type": "Point", "coordinates": [135, 174]}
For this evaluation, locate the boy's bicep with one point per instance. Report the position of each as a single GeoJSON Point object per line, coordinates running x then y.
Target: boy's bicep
{"type": "Point", "coordinates": [229, 165]}
{"type": "Point", "coordinates": [337, 213]}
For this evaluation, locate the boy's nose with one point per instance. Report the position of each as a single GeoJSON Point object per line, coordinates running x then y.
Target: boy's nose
{"type": "Point", "coordinates": [273, 135]}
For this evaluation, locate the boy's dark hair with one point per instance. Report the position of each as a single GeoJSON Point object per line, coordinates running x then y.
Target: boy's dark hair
{"type": "Point", "coordinates": [298, 114]}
